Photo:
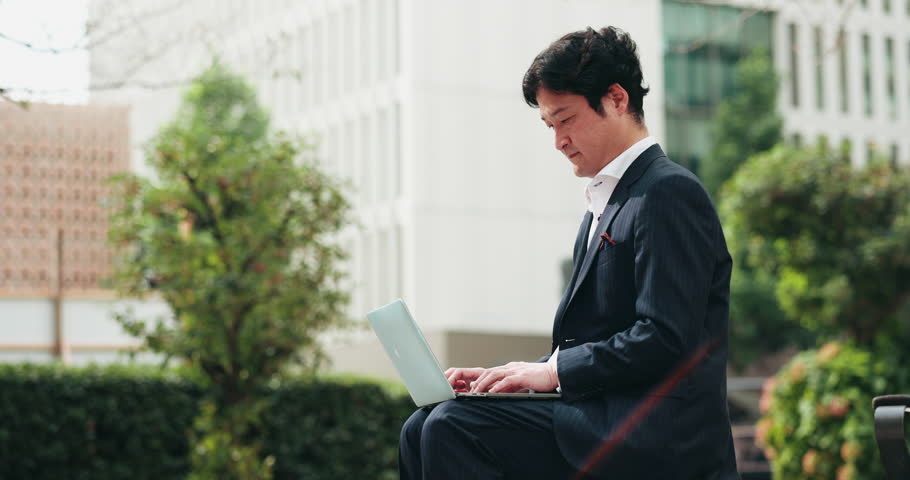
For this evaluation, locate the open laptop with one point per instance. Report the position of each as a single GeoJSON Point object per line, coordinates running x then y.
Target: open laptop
{"type": "Point", "coordinates": [408, 349]}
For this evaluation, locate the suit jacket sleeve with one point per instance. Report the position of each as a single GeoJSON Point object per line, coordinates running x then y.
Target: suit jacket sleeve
{"type": "Point", "coordinates": [676, 237]}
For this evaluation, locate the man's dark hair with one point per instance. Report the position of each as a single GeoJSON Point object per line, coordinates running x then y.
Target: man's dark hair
{"type": "Point", "coordinates": [586, 63]}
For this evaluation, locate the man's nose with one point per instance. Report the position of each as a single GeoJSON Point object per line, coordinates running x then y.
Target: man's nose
{"type": "Point", "coordinates": [562, 141]}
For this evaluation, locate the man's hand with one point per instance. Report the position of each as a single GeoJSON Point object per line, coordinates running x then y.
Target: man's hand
{"type": "Point", "coordinates": [517, 377]}
{"type": "Point", "coordinates": [461, 378]}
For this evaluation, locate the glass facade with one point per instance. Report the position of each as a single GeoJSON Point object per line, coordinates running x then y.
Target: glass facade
{"type": "Point", "coordinates": [699, 69]}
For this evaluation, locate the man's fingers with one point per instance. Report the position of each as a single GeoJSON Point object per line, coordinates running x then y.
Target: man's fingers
{"type": "Point", "coordinates": [466, 374]}
{"type": "Point", "coordinates": [506, 385]}
{"type": "Point", "coordinates": [488, 378]}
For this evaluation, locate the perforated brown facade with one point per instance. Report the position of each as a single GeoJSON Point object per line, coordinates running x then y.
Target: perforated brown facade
{"type": "Point", "coordinates": [54, 160]}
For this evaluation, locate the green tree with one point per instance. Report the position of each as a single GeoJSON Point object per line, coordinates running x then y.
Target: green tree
{"type": "Point", "coordinates": [235, 235]}
{"type": "Point", "coordinates": [837, 241]}
{"type": "Point", "coordinates": [838, 237]}
{"type": "Point", "coordinates": [746, 123]}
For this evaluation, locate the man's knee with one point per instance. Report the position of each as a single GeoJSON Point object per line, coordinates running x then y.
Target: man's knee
{"type": "Point", "coordinates": [410, 431]}
{"type": "Point", "coordinates": [442, 420]}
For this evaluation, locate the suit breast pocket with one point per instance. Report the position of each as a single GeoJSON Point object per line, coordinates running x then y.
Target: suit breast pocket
{"type": "Point", "coordinates": [614, 281]}
{"type": "Point", "coordinates": [611, 253]}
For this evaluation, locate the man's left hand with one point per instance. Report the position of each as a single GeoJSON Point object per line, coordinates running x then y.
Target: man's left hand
{"type": "Point", "coordinates": [517, 377]}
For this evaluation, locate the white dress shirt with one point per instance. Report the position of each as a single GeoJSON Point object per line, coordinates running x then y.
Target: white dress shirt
{"type": "Point", "coordinates": [597, 195]}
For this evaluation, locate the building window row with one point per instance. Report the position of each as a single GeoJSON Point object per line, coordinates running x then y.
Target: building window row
{"type": "Point", "coordinates": [328, 58]}
{"type": "Point", "coordinates": [873, 150]}
{"type": "Point", "coordinates": [377, 268]}
{"type": "Point", "coordinates": [871, 75]}
{"type": "Point", "coordinates": [366, 151]}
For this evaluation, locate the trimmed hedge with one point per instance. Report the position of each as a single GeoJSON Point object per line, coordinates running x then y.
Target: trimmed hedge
{"type": "Point", "coordinates": [132, 423]}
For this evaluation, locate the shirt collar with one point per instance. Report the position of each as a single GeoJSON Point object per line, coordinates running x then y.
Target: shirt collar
{"type": "Point", "coordinates": [597, 196]}
{"type": "Point", "coordinates": [620, 164]}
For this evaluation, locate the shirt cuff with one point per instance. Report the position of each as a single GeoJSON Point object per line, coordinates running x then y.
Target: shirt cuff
{"type": "Point", "coordinates": [552, 364]}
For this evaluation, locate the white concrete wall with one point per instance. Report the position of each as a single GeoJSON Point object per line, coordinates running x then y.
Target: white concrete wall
{"type": "Point", "coordinates": [810, 122]}
{"type": "Point", "coordinates": [496, 205]}
{"type": "Point", "coordinates": [90, 334]}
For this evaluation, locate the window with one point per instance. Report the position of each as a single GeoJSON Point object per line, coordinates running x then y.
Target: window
{"type": "Point", "coordinates": [306, 67]}
{"type": "Point", "coordinates": [842, 71]}
{"type": "Point", "coordinates": [397, 171]}
{"type": "Point", "coordinates": [367, 168]}
{"type": "Point", "coordinates": [399, 258]}
{"type": "Point", "coordinates": [318, 45]}
{"type": "Point", "coordinates": [867, 75]}
{"type": "Point", "coordinates": [894, 152]}
{"type": "Point", "coordinates": [383, 155]}
{"type": "Point", "coordinates": [699, 72]}
{"type": "Point", "coordinates": [396, 29]}
{"type": "Point", "coordinates": [351, 56]}
{"type": "Point", "coordinates": [890, 86]}
{"type": "Point", "coordinates": [337, 36]}
{"type": "Point", "coordinates": [794, 64]}
{"type": "Point", "coordinates": [886, 6]}
{"type": "Point", "coordinates": [367, 41]}
{"type": "Point", "coordinates": [819, 70]}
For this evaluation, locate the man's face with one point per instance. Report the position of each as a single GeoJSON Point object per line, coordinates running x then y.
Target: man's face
{"type": "Point", "coordinates": [589, 140]}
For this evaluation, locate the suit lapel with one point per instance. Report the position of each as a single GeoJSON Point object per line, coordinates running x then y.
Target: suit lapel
{"type": "Point", "coordinates": [617, 200]}
{"type": "Point", "coordinates": [577, 258]}
{"type": "Point", "coordinates": [581, 247]}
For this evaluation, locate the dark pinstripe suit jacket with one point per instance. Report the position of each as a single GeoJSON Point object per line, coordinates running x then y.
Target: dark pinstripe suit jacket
{"type": "Point", "coordinates": [633, 312]}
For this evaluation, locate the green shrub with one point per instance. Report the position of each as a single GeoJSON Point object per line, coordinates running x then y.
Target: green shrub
{"type": "Point", "coordinates": [133, 423]}
{"type": "Point", "coordinates": [818, 421]}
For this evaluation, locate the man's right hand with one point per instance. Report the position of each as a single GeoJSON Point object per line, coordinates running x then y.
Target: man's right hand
{"type": "Point", "coordinates": [461, 378]}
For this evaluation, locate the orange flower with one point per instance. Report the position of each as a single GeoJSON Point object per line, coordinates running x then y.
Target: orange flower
{"type": "Point", "coordinates": [810, 461]}
{"type": "Point", "coordinates": [828, 352]}
{"type": "Point", "coordinates": [185, 228]}
{"type": "Point", "coordinates": [761, 431]}
{"type": "Point", "coordinates": [850, 451]}
{"type": "Point", "coordinates": [838, 406]}
{"type": "Point", "coordinates": [846, 472]}
{"type": "Point", "coordinates": [797, 371]}
{"type": "Point", "coordinates": [770, 453]}
{"type": "Point", "coordinates": [767, 395]}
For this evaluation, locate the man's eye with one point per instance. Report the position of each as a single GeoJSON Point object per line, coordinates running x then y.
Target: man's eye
{"type": "Point", "coordinates": [565, 121]}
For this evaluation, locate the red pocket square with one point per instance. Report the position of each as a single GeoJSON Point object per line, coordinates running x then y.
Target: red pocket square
{"type": "Point", "coordinates": [604, 238]}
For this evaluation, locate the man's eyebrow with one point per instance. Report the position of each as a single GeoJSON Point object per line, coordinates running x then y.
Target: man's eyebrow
{"type": "Point", "coordinates": [555, 112]}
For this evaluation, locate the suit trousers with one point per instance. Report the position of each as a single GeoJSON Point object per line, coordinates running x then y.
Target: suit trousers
{"type": "Point", "coordinates": [482, 439]}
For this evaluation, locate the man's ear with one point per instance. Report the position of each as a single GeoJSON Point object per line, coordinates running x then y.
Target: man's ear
{"type": "Point", "coordinates": [616, 99]}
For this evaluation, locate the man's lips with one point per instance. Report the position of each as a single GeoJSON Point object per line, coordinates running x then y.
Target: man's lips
{"type": "Point", "coordinates": [574, 155]}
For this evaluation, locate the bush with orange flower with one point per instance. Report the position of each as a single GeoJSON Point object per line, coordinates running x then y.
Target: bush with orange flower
{"type": "Point", "coordinates": [836, 241]}
{"type": "Point", "coordinates": [817, 421]}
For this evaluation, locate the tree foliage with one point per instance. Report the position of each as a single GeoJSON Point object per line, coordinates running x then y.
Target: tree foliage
{"type": "Point", "coordinates": [235, 236]}
{"type": "Point", "coordinates": [746, 123]}
{"type": "Point", "coordinates": [837, 237]}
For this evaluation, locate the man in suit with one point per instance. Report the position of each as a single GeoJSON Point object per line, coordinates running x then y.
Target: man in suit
{"type": "Point", "coordinates": [640, 337]}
